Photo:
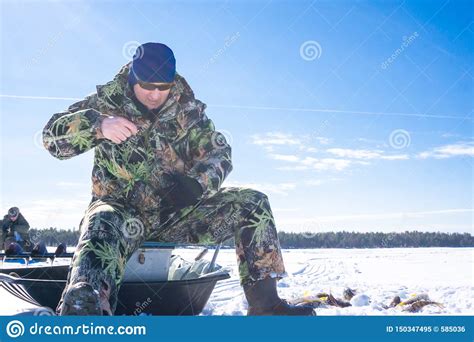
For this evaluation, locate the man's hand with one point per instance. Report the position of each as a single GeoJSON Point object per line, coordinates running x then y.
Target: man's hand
{"type": "Point", "coordinates": [117, 129]}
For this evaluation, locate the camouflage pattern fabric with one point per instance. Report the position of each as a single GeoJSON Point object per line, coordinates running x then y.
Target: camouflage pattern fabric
{"type": "Point", "coordinates": [180, 139]}
{"type": "Point", "coordinates": [128, 181]}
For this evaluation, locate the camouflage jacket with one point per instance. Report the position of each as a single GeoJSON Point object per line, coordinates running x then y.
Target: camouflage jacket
{"type": "Point", "coordinates": [178, 139]}
{"type": "Point", "coordinates": [20, 225]}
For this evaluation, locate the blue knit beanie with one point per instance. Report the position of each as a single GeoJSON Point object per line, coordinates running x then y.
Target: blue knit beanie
{"type": "Point", "coordinates": [153, 63]}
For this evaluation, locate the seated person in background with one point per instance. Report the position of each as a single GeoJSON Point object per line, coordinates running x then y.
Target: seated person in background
{"type": "Point", "coordinates": [15, 227]}
{"type": "Point", "coordinates": [13, 249]}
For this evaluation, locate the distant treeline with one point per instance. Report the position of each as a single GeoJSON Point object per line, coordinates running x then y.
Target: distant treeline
{"type": "Point", "coordinates": [54, 236]}
{"type": "Point", "coordinates": [374, 240]}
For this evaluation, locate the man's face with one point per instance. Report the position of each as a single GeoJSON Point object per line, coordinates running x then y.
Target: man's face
{"type": "Point", "coordinates": [13, 218]}
{"type": "Point", "coordinates": [151, 99]}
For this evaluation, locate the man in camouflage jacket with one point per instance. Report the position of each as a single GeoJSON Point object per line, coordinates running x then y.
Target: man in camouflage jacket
{"type": "Point", "coordinates": [158, 169]}
{"type": "Point", "coordinates": [15, 229]}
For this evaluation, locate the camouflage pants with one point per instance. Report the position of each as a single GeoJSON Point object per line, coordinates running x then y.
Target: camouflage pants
{"type": "Point", "coordinates": [110, 233]}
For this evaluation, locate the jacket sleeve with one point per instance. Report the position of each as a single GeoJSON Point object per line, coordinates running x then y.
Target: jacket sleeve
{"type": "Point", "coordinates": [209, 154]}
{"type": "Point", "coordinates": [5, 224]}
{"type": "Point", "coordinates": [74, 131]}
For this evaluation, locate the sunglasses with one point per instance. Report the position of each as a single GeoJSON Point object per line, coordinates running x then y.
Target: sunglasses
{"type": "Point", "coordinates": [153, 86]}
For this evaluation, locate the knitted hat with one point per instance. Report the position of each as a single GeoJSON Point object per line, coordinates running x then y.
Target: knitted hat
{"type": "Point", "coordinates": [152, 63]}
{"type": "Point", "coordinates": [13, 212]}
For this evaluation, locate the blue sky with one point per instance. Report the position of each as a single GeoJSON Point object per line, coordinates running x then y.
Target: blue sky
{"type": "Point", "coordinates": [351, 115]}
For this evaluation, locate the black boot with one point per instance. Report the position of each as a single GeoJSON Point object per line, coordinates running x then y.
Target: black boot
{"type": "Point", "coordinates": [263, 300]}
{"type": "Point", "coordinates": [80, 300]}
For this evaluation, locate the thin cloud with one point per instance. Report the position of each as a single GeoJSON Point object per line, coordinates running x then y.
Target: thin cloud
{"type": "Point", "coordinates": [396, 157]}
{"type": "Point", "coordinates": [310, 149]}
{"type": "Point", "coordinates": [462, 149]}
{"type": "Point", "coordinates": [322, 164]}
{"type": "Point", "coordinates": [313, 182]}
{"type": "Point", "coordinates": [326, 163]}
{"type": "Point", "coordinates": [323, 140]}
{"type": "Point", "coordinates": [331, 164]}
{"type": "Point", "coordinates": [272, 140]}
{"type": "Point", "coordinates": [275, 138]}
{"type": "Point", "coordinates": [450, 135]}
{"type": "Point", "coordinates": [293, 168]}
{"type": "Point", "coordinates": [303, 159]}
{"type": "Point", "coordinates": [365, 154]}
{"type": "Point", "coordinates": [356, 154]}
{"type": "Point", "coordinates": [285, 157]}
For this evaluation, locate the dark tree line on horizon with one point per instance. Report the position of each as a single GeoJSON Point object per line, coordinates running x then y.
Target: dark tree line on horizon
{"type": "Point", "coordinates": [344, 239]}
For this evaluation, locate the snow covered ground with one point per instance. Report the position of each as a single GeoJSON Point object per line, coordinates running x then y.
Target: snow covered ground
{"type": "Point", "coordinates": [445, 274]}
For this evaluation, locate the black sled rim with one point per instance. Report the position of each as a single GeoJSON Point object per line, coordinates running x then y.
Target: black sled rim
{"type": "Point", "coordinates": [177, 297]}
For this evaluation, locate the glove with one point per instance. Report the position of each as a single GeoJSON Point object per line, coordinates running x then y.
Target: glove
{"type": "Point", "coordinates": [6, 226]}
{"type": "Point", "coordinates": [183, 192]}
